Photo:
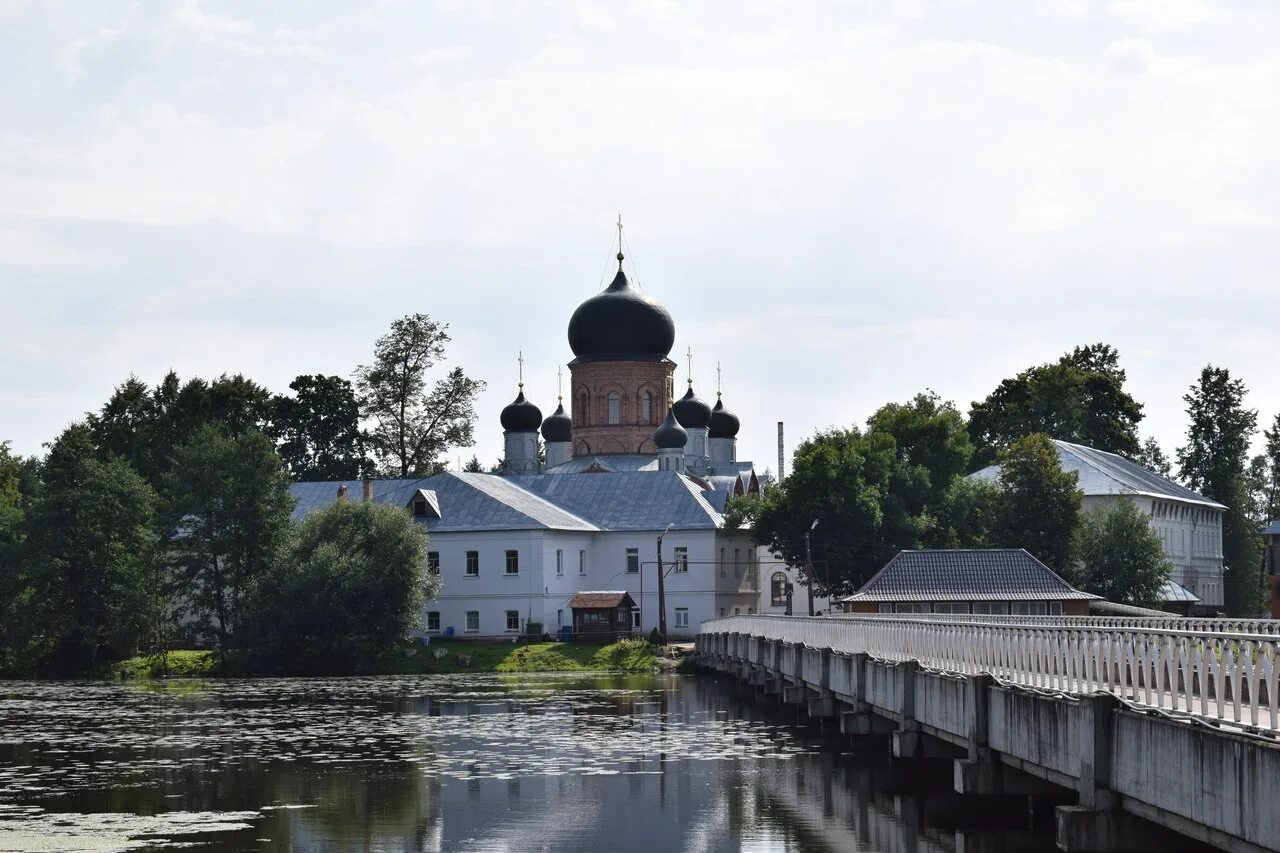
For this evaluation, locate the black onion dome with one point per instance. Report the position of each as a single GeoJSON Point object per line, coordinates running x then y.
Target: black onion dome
{"type": "Point", "coordinates": [670, 434]}
{"type": "Point", "coordinates": [521, 415]}
{"type": "Point", "coordinates": [621, 321]}
{"type": "Point", "coordinates": [691, 412]}
{"type": "Point", "coordinates": [724, 423]}
{"type": "Point", "coordinates": [558, 426]}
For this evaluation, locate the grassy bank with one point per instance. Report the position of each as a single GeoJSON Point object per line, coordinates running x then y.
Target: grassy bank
{"type": "Point", "coordinates": [415, 659]}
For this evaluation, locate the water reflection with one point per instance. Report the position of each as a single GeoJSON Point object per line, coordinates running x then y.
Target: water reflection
{"type": "Point", "coordinates": [453, 763]}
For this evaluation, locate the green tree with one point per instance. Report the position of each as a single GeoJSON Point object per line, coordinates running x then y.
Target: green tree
{"type": "Point", "coordinates": [317, 430]}
{"type": "Point", "coordinates": [474, 465]}
{"type": "Point", "coordinates": [12, 536]}
{"type": "Point", "coordinates": [1078, 398]}
{"type": "Point", "coordinates": [90, 558]}
{"type": "Point", "coordinates": [1214, 462]}
{"type": "Point", "coordinates": [1039, 506]}
{"type": "Point", "coordinates": [1151, 457]}
{"type": "Point", "coordinates": [1268, 475]}
{"type": "Point", "coordinates": [227, 517]}
{"type": "Point", "coordinates": [1120, 556]}
{"type": "Point", "coordinates": [416, 423]}
{"type": "Point", "coordinates": [966, 515]}
{"type": "Point", "coordinates": [350, 588]}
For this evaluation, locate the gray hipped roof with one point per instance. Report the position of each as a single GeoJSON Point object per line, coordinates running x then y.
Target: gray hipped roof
{"type": "Point", "coordinates": [997, 574]}
{"type": "Point", "coordinates": [1102, 473]}
{"type": "Point", "coordinates": [642, 500]}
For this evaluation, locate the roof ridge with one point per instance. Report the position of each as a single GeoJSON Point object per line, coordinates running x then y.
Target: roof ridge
{"type": "Point", "coordinates": [464, 477]}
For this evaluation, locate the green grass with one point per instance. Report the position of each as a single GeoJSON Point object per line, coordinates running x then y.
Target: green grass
{"type": "Point", "coordinates": [181, 663]}
{"type": "Point", "coordinates": [412, 658]}
{"type": "Point", "coordinates": [624, 656]}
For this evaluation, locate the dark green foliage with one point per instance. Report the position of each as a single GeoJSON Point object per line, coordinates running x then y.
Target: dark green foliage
{"type": "Point", "coordinates": [1120, 556]}
{"type": "Point", "coordinates": [349, 589]}
{"type": "Point", "coordinates": [1151, 457]}
{"type": "Point", "coordinates": [317, 430]}
{"type": "Point", "coordinates": [226, 518]}
{"type": "Point", "coordinates": [416, 423]}
{"type": "Point", "coordinates": [1078, 398]}
{"type": "Point", "coordinates": [474, 466]}
{"type": "Point", "coordinates": [144, 426]}
{"type": "Point", "coordinates": [966, 515]}
{"type": "Point", "coordinates": [1214, 463]}
{"type": "Point", "coordinates": [12, 536]}
{"type": "Point", "coordinates": [874, 493]}
{"type": "Point", "coordinates": [1267, 476]}
{"type": "Point", "coordinates": [1039, 504]}
{"type": "Point", "coordinates": [88, 571]}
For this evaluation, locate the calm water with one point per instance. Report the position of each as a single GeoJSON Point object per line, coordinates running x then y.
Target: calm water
{"type": "Point", "coordinates": [521, 763]}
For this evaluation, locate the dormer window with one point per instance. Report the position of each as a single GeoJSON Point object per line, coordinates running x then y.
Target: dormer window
{"type": "Point", "coordinates": [419, 507]}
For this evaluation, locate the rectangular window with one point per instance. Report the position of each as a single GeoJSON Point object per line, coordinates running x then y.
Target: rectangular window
{"type": "Point", "coordinates": [559, 618]}
{"type": "Point", "coordinates": [582, 563]}
{"type": "Point", "coordinates": [473, 564]}
{"type": "Point", "coordinates": [737, 566]}
{"type": "Point", "coordinates": [721, 611]}
{"type": "Point", "coordinates": [513, 620]}
{"type": "Point", "coordinates": [473, 620]}
{"type": "Point", "coordinates": [433, 620]}
{"type": "Point", "coordinates": [721, 562]}
{"type": "Point", "coordinates": [682, 559]}
{"type": "Point", "coordinates": [513, 562]}
{"type": "Point", "coordinates": [433, 562]}
{"type": "Point", "coordinates": [633, 560]}
{"type": "Point", "coordinates": [682, 617]}
{"type": "Point", "coordinates": [635, 617]}
{"type": "Point", "coordinates": [559, 562]}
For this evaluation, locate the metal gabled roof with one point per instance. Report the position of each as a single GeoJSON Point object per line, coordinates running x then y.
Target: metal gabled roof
{"type": "Point", "coordinates": [627, 500]}
{"type": "Point", "coordinates": [994, 574]}
{"type": "Point", "coordinates": [1103, 473]}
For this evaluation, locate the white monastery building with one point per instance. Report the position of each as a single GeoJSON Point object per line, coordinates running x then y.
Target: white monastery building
{"type": "Point", "coordinates": [1189, 524]}
{"type": "Point", "coordinates": [628, 471]}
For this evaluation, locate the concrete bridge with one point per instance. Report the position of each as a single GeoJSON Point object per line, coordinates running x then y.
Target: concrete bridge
{"type": "Point", "coordinates": [1140, 728]}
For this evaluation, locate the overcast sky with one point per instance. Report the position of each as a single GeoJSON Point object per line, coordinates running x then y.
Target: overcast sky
{"type": "Point", "coordinates": [843, 203]}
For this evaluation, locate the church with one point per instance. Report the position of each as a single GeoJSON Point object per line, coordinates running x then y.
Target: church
{"type": "Point", "coordinates": [628, 479]}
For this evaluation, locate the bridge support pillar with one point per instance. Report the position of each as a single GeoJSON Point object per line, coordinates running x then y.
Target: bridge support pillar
{"type": "Point", "coordinates": [795, 694]}
{"type": "Point", "coordinates": [823, 706]}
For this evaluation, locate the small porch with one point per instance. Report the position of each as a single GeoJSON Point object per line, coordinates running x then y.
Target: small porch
{"type": "Point", "coordinates": [601, 617]}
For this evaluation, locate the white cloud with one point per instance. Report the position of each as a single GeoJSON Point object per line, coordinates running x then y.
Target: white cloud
{"type": "Point", "coordinates": [1129, 55]}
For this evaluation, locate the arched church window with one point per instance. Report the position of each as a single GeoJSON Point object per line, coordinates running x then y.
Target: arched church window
{"type": "Point", "coordinates": [581, 412]}
{"type": "Point", "coordinates": [646, 407]}
{"type": "Point", "coordinates": [615, 407]}
{"type": "Point", "coordinates": [778, 589]}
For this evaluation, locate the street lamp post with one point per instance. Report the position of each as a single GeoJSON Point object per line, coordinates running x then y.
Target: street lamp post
{"type": "Point", "coordinates": [808, 562]}
{"type": "Point", "coordinates": [662, 589]}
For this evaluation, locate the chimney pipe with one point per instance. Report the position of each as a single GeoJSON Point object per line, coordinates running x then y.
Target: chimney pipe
{"type": "Point", "coordinates": [342, 493]}
{"type": "Point", "coordinates": [781, 473]}
{"type": "Point", "coordinates": [368, 489]}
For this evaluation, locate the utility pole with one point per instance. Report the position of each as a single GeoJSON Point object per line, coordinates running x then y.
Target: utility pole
{"type": "Point", "coordinates": [808, 562]}
{"type": "Point", "coordinates": [662, 590]}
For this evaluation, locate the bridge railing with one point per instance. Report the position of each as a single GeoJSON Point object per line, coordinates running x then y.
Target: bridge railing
{"type": "Point", "coordinates": [1217, 675]}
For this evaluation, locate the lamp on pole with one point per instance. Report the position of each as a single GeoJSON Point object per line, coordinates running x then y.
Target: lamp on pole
{"type": "Point", "coordinates": [662, 589]}
{"type": "Point", "coordinates": [808, 562]}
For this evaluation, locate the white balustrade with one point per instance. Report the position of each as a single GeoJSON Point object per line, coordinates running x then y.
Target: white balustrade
{"type": "Point", "coordinates": [1218, 670]}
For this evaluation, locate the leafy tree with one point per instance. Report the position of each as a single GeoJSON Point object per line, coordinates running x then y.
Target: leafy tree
{"type": "Point", "coordinates": [416, 423]}
{"type": "Point", "coordinates": [1120, 556]}
{"type": "Point", "coordinates": [144, 426]}
{"type": "Point", "coordinates": [1039, 506]}
{"type": "Point", "coordinates": [12, 535]}
{"type": "Point", "coordinates": [350, 588]}
{"type": "Point", "coordinates": [1078, 398]}
{"type": "Point", "coordinates": [90, 558]}
{"type": "Point", "coordinates": [226, 519]}
{"type": "Point", "coordinates": [1151, 457]}
{"type": "Point", "coordinates": [474, 465]}
{"type": "Point", "coordinates": [966, 515]}
{"type": "Point", "coordinates": [317, 430]}
{"type": "Point", "coordinates": [1213, 462]}
{"type": "Point", "coordinates": [1268, 475]}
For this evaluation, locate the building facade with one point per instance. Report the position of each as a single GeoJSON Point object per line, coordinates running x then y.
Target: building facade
{"type": "Point", "coordinates": [1188, 524]}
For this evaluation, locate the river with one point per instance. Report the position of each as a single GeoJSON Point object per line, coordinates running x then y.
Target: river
{"type": "Point", "coordinates": [468, 763]}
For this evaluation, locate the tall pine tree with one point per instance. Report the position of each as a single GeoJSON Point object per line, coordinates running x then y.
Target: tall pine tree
{"type": "Point", "coordinates": [1214, 462]}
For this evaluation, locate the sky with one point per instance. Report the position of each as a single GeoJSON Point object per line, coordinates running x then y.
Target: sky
{"type": "Point", "coordinates": [841, 203]}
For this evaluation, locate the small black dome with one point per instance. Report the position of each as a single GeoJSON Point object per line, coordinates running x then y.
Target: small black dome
{"type": "Point", "coordinates": [724, 423]}
{"type": "Point", "coordinates": [670, 434]}
{"type": "Point", "coordinates": [691, 412]}
{"type": "Point", "coordinates": [558, 426]}
{"type": "Point", "coordinates": [621, 321]}
{"type": "Point", "coordinates": [521, 415]}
